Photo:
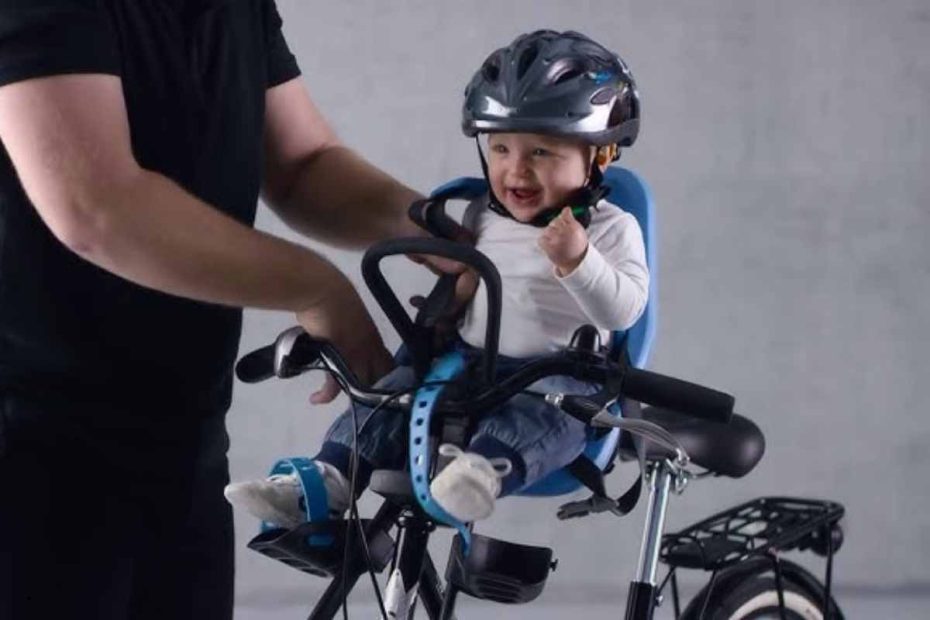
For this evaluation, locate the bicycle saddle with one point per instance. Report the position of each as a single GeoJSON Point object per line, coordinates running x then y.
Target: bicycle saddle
{"type": "Point", "coordinates": [731, 449]}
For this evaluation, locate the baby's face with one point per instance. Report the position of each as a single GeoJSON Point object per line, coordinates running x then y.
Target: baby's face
{"type": "Point", "coordinates": [531, 172]}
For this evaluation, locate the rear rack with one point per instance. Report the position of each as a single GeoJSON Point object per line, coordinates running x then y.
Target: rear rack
{"type": "Point", "coordinates": [754, 528]}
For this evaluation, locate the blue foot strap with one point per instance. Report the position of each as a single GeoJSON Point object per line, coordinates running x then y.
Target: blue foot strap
{"type": "Point", "coordinates": [316, 501]}
{"type": "Point", "coordinates": [445, 369]}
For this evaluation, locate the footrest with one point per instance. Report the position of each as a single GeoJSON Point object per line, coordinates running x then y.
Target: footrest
{"type": "Point", "coordinates": [499, 571]}
{"type": "Point", "coordinates": [302, 548]}
{"type": "Point", "coordinates": [753, 528]}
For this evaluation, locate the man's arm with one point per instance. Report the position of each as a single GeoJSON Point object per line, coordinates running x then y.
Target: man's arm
{"type": "Point", "coordinates": [320, 187]}
{"type": "Point", "coordinates": [68, 138]}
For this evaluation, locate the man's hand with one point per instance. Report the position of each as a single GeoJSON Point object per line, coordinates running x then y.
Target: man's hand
{"type": "Point", "coordinates": [343, 320]}
{"type": "Point", "coordinates": [565, 242]}
{"type": "Point", "coordinates": [439, 265]}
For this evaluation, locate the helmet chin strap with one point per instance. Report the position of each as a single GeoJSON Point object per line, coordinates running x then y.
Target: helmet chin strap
{"type": "Point", "coordinates": [581, 200]}
{"type": "Point", "coordinates": [493, 203]}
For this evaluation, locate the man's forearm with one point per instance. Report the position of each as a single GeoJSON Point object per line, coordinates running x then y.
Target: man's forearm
{"type": "Point", "coordinates": [339, 198]}
{"type": "Point", "coordinates": [154, 233]}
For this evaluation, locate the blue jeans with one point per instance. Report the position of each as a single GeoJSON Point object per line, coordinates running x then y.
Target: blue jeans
{"type": "Point", "coordinates": [537, 437]}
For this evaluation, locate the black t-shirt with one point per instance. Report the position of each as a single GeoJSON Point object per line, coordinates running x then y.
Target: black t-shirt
{"type": "Point", "coordinates": [194, 75]}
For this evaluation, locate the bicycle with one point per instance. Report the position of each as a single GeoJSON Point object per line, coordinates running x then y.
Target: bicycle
{"type": "Point", "coordinates": [686, 425]}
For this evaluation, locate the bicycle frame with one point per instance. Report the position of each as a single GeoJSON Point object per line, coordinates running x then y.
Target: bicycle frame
{"type": "Point", "coordinates": [413, 576]}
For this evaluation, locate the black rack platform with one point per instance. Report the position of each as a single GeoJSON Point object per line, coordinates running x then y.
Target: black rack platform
{"type": "Point", "coordinates": [756, 527]}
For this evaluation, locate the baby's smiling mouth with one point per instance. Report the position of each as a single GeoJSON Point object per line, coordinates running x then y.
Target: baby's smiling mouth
{"type": "Point", "coordinates": [523, 194]}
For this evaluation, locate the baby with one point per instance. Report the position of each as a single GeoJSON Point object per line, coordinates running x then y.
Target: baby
{"type": "Point", "coordinates": [555, 109]}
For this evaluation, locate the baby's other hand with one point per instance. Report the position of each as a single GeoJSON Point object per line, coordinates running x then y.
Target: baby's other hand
{"type": "Point", "coordinates": [565, 242]}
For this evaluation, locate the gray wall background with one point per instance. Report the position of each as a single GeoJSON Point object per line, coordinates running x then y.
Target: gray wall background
{"type": "Point", "coordinates": [786, 143]}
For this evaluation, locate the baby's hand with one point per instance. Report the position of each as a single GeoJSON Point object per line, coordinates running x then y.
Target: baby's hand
{"type": "Point", "coordinates": [564, 241]}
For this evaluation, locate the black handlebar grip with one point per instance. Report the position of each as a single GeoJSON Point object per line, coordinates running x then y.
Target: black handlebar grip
{"type": "Point", "coordinates": [681, 396]}
{"type": "Point", "coordinates": [257, 365]}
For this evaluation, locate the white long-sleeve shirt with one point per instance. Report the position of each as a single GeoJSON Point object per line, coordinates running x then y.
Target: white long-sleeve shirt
{"type": "Point", "coordinates": [540, 310]}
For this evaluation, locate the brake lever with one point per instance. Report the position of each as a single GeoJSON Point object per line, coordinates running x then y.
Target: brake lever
{"type": "Point", "coordinates": [597, 415]}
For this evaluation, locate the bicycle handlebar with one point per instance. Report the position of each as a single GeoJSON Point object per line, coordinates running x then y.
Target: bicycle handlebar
{"type": "Point", "coordinates": [256, 366]}
{"type": "Point", "coordinates": [295, 352]}
{"type": "Point", "coordinates": [682, 396]}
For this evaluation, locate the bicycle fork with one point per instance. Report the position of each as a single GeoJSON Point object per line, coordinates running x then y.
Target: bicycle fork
{"type": "Point", "coordinates": [400, 595]}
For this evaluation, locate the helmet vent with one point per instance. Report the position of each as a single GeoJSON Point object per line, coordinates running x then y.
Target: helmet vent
{"type": "Point", "coordinates": [491, 71]}
{"type": "Point", "coordinates": [603, 96]}
{"type": "Point", "coordinates": [526, 59]}
{"type": "Point", "coordinates": [618, 114]}
{"type": "Point", "coordinates": [568, 74]}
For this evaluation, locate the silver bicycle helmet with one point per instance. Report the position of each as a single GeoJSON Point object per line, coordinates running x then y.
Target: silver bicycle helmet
{"type": "Point", "coordinates": [554, 83]}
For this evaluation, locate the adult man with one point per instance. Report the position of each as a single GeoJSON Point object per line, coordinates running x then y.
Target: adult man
{"type": "Point", "coordinates": [137, 135]}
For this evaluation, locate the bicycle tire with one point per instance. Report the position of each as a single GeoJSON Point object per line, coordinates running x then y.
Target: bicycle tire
{"type": "Point", "coordinates": [747, 591]}
{"type": "Point", "coordinates": [757, 599]}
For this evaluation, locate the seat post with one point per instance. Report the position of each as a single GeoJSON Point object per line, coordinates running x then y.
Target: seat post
{"type": "Point", "coordinates": [660, 478]}
{"type": "Point", "coordinates": [640, 602]}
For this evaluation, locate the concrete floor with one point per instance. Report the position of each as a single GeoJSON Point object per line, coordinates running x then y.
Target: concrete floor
{"type": "Point", "coordinates": [854, 606]}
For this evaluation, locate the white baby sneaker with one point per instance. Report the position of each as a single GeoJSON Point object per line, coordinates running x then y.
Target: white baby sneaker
{"type": "Point", "coordinates": [468, 485]}
{"type": "Point", "coordinates": [278, 499]}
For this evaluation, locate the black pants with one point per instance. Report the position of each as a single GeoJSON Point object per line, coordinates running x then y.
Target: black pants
{"type": "Point", "coordinates": [110, 517]}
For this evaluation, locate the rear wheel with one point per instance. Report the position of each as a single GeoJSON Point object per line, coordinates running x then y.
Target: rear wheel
{"type": "Point", "coordinates": [757, 599]}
